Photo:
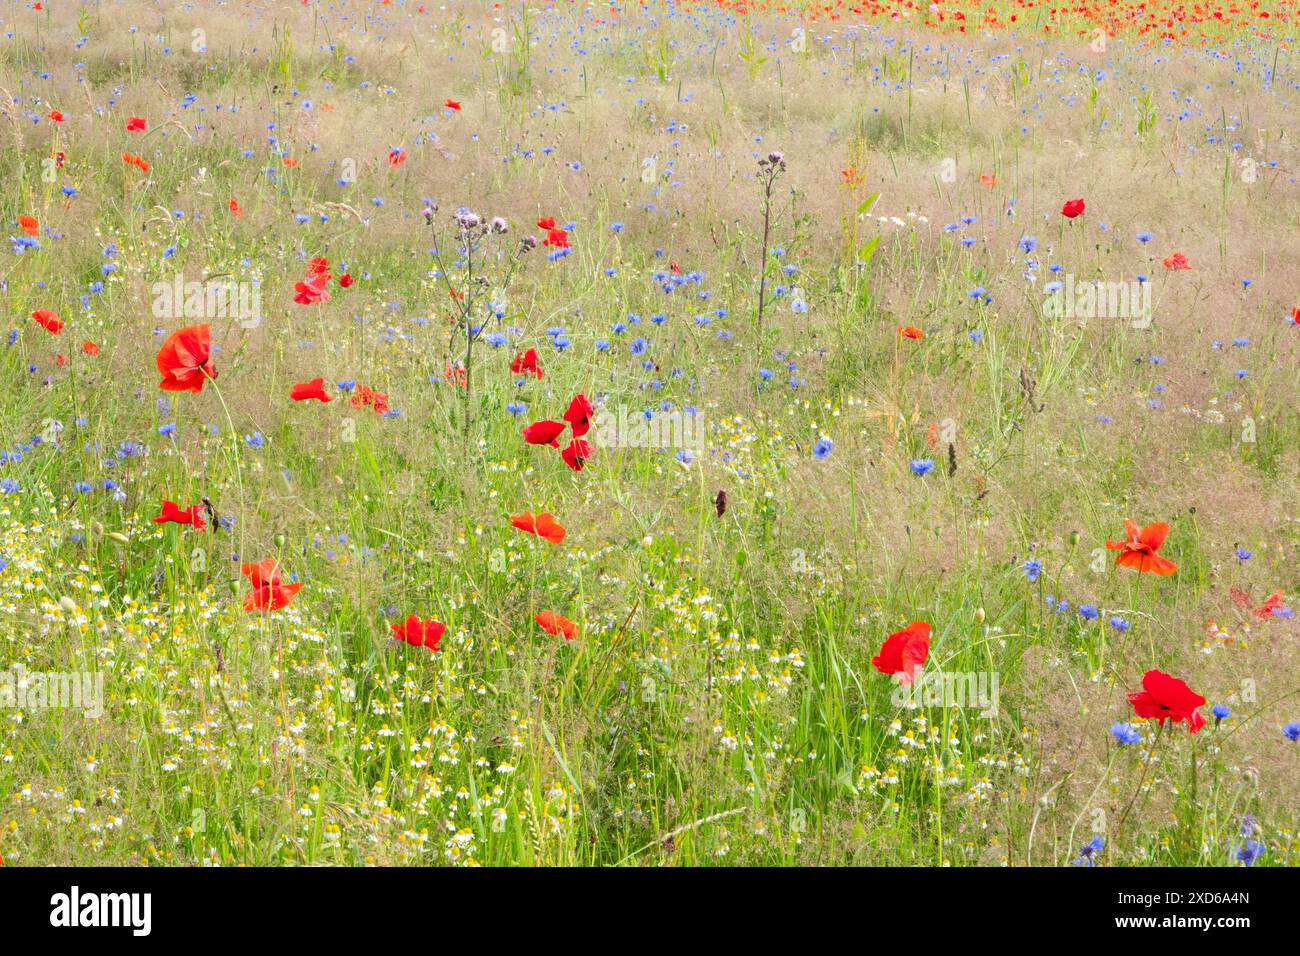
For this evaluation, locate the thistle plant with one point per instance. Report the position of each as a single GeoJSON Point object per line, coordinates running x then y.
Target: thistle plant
{"type": "Point", "coordinates": [770, 168]}
{"type": "Point", "coordinates": [469, 283]}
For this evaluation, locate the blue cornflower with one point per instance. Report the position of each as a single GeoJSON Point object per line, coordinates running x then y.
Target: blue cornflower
{"type": "Point", "coordinates": [822, 450]}
{"type": "Point", "coordinates": [1125, 733]}
{"type": "Point", "coordinates": [922, 466]}
{"type": "Point", "coordinates": [1250, 852]}
{"type": "Point", "coordinates": [1089, 850]}
{"type": "Point", "coordinates": [1033, 568]}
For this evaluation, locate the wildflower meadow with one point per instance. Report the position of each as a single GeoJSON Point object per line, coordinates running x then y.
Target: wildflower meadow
{"type": "Point", "coordinates": [649, 434]}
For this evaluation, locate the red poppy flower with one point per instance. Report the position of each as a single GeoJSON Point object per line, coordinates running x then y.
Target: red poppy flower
{"type": "Point", "coordinates": [527, 363]}
{"type": "Point", "coordinates": [235, 208]}
{"type": "Point", "coordinates": [1177, 263]}
{"type": "Point", "coordinates": [452, 105]}
{"type": "Point", "coordinates": [1072, 209]}
{"type": "Point", "coordinates": [138, 162]}
{"type": "Point", "coordinates": [396, 157]}
{"type": "Point", "coordinates": [367, 397]}
{"type": "Point", "coordinates": [579, 415]}
{"type": "Point", "coordinates": [1272, 603]}
{"type": "Point", "coordinates": [346, 280]}
{"type": "Point", "coordinates": [313, 389]}
{"type": "Point", "coordinates": [183, 360]}
{"type": "Point", "coordinates": [544, 525]}
{"type": "Point", "coordinates": [1295, 313]}
{"type": "Point", "coordinates": [56, 116]}
{"type": "Point", "coordinates": [313, 290]}
{"type": "Point", "coordinates": [269, 592]}
{"type": "Point", "coordinates": [544, 432]}
{"type": "Point", "coordinates": [548, 223]}
{"type": "Point", "coordinates": [1139, 551]}
{"type": "Point", "coordinates": [910, 332]}
{"type": "Point", "coordinates": [557, 238]}
{"type": "Point", "coordinates": [553, 623]}
{"type": "Point", "coordinates": [60, 360]}
{"type": "Point", "coordinates": [904, 652]}
{"type": "Point", "coordinates": [90, 348]}
{"type": "Point", "coordinates": [48, 321]}
{"type": "Point", "coordinates": [135, 124]}
{"type": "Point", "coordinates": [319, 266]}
{"type": "Point", "coordinates": [420, 633]}
{"type": "Point", "coordinates": [32, 227]}
{"type": "Point", "coordinates": [1265, 610]}
{"type": "Point", "coordinates": [1167, 698]}
{"type": "Point", "coordinates": [577, 454]}
{"type": "Point", "coordinates": [989, 179]}
{"type": "Point", "coordinates": [193, 515]}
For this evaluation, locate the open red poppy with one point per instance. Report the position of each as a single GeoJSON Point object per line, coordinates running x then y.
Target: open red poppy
{"type": "Point", "coordinates": [269, 592]}
{"type": "Point", "coordinates": [1167, 698]}
{"type": "Point", "coordinates": [543, 525]}
{"type": "Point", "coordinates": [904, 652]}
{"type": "Point", "coordinates": [193, 515]}
{"type": "Point", "coordinates": [308, 390]}
{"type": "Point", "coordinates": [553, 623]}
{"type": "Point", "coordinates": [367, 397]}
{"type": "Point", "coordinates": [527, 364]}
{"type": "Point", "coordinates": [313, 290]}
{"type": "Point", "coordinates": [544, 432]}
{"type": "Point", "coordinates": [579, 415]}
{"type": "Point", "coordinates": [577, 454]}
{"type": "Point", "coordinates": [48, 321]}
{"type": "Point", "coordinates": [1139, 551]}
{"type": "Point", "coordinates": [184, 360]}
{"type": "Point", "coordinates": [420, 633]}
